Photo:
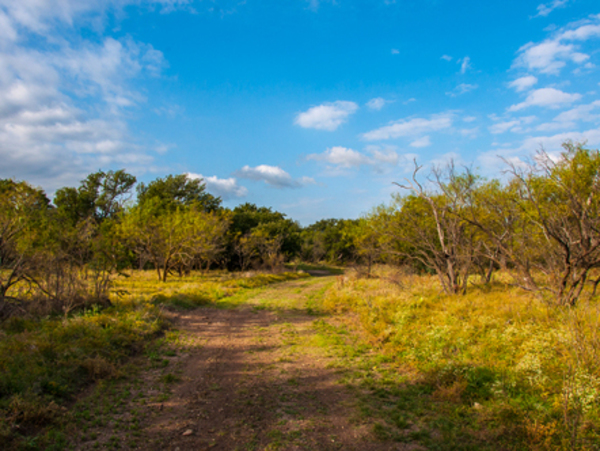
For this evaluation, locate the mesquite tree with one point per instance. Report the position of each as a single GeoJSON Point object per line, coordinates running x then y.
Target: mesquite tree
{"type": "Point", "coordinates": [431, 230]}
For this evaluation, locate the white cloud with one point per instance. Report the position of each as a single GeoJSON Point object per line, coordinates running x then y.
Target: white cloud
{"type": "Point", "coordinates": [421, 142]}
{"type": "Point", "coordinates": [62, 100]}
{"type": "Point", "coordinates": [553, 143]}
{"type": "Point", "coordinates": [377, 103]}
{"type": "Point", "coordinates": [469, 132]}
{"type": "Point", "coordinates": [523, 83]}
{"type": "Point", "coordinates": [465, 64]}
{"type": "Point", "coordinates": [518, 155]}
{"type": "Point", "coordinates": [552, 54]}
{"type": "Point", "coordinates": [570, 119]}
{"type": "Point", "coordinates": [546, 8]}
{"type": "Point", "coordinates": [461, 89]}
{"type": "Point", "coordinates": [341, 156]}
{"type": "Point", "coordinates": [513, 125]}
{"type": "Point", "coordinates": [272, 175]}
{"type": "Point", "coordinates": [328, 116]}
{"type": "Point", "coordinates": [395, 52]}
{"type": "Point", "coordinates": [546, 97]}
{"type": "Point", "coordinates": [383, 155]}
{"type": "Point", "coordinates": [446, 57]}
{"type": "Point", "coordinates": [42, 17]}
{"type": "Point", "coordinates": [345, 158]}
{"type": "Point", "coordinates": [224, 188]}
{"type": "Point", "coordinates": [410, 127]}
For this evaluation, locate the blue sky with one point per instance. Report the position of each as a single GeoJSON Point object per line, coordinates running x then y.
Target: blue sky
{"type": "Point", "coordinates": [311, 107]}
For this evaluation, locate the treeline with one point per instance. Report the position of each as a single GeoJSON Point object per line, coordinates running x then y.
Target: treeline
{"type": "Point", "coordinates": [60, 255]}
{"type": "Point", "coordinates": [541, 226]}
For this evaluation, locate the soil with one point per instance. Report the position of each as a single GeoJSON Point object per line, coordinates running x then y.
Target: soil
{"type": "Point", "coordinates": [255, 380]}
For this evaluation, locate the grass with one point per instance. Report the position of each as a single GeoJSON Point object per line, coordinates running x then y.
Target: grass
{"type": "Point", "coordinates": [495, 369]}
{"type": "Point", "coordinates": [46, 362]}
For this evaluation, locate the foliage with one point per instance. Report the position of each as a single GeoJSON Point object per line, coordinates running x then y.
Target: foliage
{"type": "Point", "coordinates": [168, 239]}
{"type": "Point", "coordinates": [100, 196]}
{"type": "Point", "coordinates": [542, 226]}
{"type": "Point", "coordinates": [330, 240]}
{"type": "Point", "coordinates": [174, 192]}
{"type": "Point", "coordinates": [23, 212]}
{"type": "Point", "coordinates": [45, 362]}
{"type": "Point", "coordinates": [259, 236]}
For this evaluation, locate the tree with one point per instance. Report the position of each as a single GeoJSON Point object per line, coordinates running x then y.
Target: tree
{"type": "Point", "coordinates": [329, 239]}
{"type": "Point", "coordinates": [561, 197]}
{"type": "Point", "coordinates": [256, 232]}
{"type": "Point", "coordinates": [176, 191]}
{"type": "Point", "coordinates": [431, 225]}
{"type": "Point", "coordinates": [23, 211]}
{"type": "Point", "coordinates": [172, 239]}
{"type": "Point", "coordinates": [101, 196]}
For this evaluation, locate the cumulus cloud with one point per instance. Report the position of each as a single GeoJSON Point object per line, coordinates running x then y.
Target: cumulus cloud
{"type": "Point", "coordinates": [523, 83]}
{"type": "Point", "coordinates": [61, 101]}
{"type": "Point", "coordinates": [446, 57]}
{"type": "Point", "coordinates": [519, 154]}
{"type": "Point", "coordinates": [461, 89]}
{"type": "Point", "coordinates": [341, 156]}
{"type": "Point", "coordinates": [328, 116]}
{"type": "Point", "coordinates": [552, 54]}
{"type": "Point", "coordinates": [224, 188]}
{"type": "Point", "coordinates": [547, 98]}
{"type": "Point", "coordinates": [412, 127]}
{"type": "Point", "coordinates": [345, 158]}
{"type": "Point", "coordinates": [272, 175]}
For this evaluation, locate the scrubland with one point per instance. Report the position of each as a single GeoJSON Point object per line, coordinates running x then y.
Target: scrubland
{"type": "Point", "coordinates": [497, 368]}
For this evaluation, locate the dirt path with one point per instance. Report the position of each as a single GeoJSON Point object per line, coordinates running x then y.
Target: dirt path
{"type": "Point", "coordinates": [257, 380]}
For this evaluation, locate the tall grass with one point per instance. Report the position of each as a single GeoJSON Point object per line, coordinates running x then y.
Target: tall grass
{"type": "Point", "coordinates": [527, 371]}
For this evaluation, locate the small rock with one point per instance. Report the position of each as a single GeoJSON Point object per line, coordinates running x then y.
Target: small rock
{"type": "Point", "coordinates": [188, 432]}
{"type": "Point", "coordinates": [477, 406]}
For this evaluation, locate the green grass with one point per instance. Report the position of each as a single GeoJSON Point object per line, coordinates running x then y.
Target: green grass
{"type": "Point", "coordinates": [46, 362]}
{"type": "Point", "coordinates": [495, 369]}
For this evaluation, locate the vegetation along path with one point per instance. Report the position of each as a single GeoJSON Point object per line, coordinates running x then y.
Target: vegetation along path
{"type": "Point", "coordinates": [253, 372]}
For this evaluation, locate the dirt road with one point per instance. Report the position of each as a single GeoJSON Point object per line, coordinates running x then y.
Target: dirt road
{"type": "Point", "coordinates": [258, 378]}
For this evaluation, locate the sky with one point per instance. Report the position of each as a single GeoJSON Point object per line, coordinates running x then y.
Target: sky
{"type": "Point", "coordinates": [311, 107]}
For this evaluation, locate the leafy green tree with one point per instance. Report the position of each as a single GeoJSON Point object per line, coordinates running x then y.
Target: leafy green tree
{"type": "Point", "coordinates": [176, 191]}
{"type": "Point", "coordinates": [254, 233]}
{"type": "Point", "coordinates": [24, 211]}
{"type": "Point", "coordinates": [330, 240]}
{"type": "Point", "coordinates": [172, 240]}
{"type": "Point", "coordinates": [101, 196]}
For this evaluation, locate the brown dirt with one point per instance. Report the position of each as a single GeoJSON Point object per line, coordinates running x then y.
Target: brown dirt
{"type": "Point", "coordinates": [255, 382]}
